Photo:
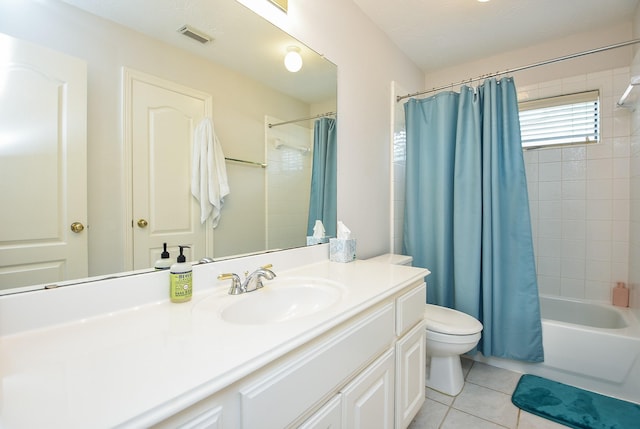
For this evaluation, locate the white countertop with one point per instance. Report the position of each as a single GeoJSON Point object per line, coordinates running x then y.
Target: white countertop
{"type": "Point", "coordinates": [140, 365]}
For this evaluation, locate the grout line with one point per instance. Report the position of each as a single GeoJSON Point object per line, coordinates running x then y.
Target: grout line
{"type": "Point", "coordinates": [453, 401]}
{"type": "Point", "coordinates": [444, 418]}
{"type": "Point", "coordinates": [483, 419]}
{"type": "Point", "coordinates": [518, 419]}
{"type": "Point", "coordinates": [490, 388]}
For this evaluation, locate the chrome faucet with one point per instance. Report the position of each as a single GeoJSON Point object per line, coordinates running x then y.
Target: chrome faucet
{"type": "Point", "coordinates": [251, 282]}
{"type": "Point", "coordinates": [254, 280]}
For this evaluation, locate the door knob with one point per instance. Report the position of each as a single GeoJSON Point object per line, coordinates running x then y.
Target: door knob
{"type": "Point", "coordinates": [142, 223]}
{"type": "Point", "coordinates": [77, 227]}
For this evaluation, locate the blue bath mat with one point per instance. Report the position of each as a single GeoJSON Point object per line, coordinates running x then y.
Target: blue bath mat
{"type": "Point", "coordinates": [574, 407]}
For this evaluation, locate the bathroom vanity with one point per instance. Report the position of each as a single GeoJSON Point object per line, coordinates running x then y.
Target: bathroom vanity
{"type": "Point", "coordinates": [352, 351]}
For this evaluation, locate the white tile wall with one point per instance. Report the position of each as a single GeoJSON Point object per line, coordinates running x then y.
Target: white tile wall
{"type": "Point", "coordinates": [579, 197]}
{"type": "Point", "coordinates": [398, 168]}
{"type": "Point", "coordinates": [288, 183]}
{"type": "Point", "coordinates": [632, 228]}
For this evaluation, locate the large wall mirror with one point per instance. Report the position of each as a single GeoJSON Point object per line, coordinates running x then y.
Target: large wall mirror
{"type": "Point", "coordinates": [99, 106]}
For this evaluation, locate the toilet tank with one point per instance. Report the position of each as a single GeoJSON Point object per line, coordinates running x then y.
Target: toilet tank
{"type": "Point", "coordinates": [391, 258]}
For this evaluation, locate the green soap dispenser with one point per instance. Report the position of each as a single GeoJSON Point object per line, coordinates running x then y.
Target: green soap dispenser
{"type": "Point", "coordinates": [181, 283]}
{"type": "Point", "coordinates": [164, 263]}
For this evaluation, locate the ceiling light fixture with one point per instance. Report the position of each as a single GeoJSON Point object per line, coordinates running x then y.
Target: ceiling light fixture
{"type": "Point", "coordinates": [293, 60]}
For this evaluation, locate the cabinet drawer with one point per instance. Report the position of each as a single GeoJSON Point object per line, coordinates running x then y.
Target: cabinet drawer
{"type": "Point", "coordinates": [410, 309]}
{"type": "Point", "coordinates": [300, 382]}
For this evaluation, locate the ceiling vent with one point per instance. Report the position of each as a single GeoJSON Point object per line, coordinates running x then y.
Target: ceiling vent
{"type": "Point", "coordinates": [196, 35]}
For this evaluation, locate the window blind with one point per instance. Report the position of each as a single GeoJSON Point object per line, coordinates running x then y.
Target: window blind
{"type": "Point", "coordinates": [566, 119]}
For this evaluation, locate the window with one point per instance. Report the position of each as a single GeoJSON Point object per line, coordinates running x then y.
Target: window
{"type": "Point", "coordinates": [562, 120]}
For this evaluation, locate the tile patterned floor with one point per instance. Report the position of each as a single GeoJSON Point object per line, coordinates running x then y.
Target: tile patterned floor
{"type": "Point", "coordinates": [484, 403]}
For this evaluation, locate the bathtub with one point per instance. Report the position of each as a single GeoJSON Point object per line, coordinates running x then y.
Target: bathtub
{"type": "Point", "coordinates": [586, 344]}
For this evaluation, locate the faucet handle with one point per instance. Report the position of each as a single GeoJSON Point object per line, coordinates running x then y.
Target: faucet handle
{"type": "Point", "coordinates": [267, 267]}
{"type": "Point", "coordinates": [236, 284]}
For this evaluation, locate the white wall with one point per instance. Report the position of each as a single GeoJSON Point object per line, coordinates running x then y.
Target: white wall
{"type": "Point", "coordinates": [367, 64]}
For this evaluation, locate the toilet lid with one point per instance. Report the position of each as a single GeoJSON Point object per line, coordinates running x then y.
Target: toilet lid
{"type": "Point", "coordinates": [449, 321]}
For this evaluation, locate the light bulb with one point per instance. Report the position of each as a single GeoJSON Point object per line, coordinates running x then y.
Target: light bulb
{"type": "Point", "coordinates": [293, 60]}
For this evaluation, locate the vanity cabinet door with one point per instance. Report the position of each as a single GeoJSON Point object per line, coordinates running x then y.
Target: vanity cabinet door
{"type": "Point", "coordinates": [368, 401]}
{"type": "Point", "coordinates": [410, 375]}
{"type": "Point", "coordinates": [327, 417]}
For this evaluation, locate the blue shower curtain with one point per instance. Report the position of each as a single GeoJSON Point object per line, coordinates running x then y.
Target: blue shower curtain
{"type": "Point", "coordinates": [467, 213]}
{"type": "Point", "coordinates": [323, 198]}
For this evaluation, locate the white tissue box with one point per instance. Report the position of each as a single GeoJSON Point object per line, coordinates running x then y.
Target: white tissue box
{"type": "Point", "coordinates": [341, 250]}
{"type": "Point", "coordinates": [312, 240]}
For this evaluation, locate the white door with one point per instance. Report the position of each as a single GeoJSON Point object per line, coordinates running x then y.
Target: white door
{"type": "Point", "coordinates": [161, 124]}
{"type": "Point", "coordinates": [43, 177]}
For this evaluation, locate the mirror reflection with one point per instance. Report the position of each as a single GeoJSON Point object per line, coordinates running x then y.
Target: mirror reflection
{"type": "Point", "coordinates": [99, 103]}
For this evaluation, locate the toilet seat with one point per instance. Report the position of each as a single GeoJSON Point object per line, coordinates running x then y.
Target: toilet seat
{"type": "Point", "coordinates": [452, 339]}
{"type": "Point", "coordinates": [449, 321]}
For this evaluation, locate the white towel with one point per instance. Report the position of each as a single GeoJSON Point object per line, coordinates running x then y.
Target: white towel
{"type": "Point", "coordinates": [209, 183]}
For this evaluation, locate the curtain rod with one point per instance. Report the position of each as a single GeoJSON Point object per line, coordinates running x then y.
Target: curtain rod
{"type": "Point", "coordinates": [321, 115]}
{"type": "Point", "coordinates": [517, 69]}
{"type": "Point", "coordinates": [242, 161]}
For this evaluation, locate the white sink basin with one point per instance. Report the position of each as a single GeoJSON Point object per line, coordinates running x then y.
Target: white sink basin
{"type": "Point", "coordinates": [282, 300]}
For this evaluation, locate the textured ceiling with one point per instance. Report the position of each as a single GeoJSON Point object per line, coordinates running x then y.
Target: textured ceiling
{"type": "Point", "coordinates": [440, 33]}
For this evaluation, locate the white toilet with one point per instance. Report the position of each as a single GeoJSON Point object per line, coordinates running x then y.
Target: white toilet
{"type": "Point", "coordinates": [450, 333]}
